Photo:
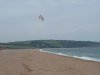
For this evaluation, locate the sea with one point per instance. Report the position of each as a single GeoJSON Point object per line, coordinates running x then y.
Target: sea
{"type": "Point", "coordinates": [90, 53]}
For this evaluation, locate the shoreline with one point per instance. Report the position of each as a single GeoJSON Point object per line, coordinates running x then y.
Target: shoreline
{"type": "Point", "coordinates": [35, 62]}
{"type": "Point", "coordinates": [82, 58]}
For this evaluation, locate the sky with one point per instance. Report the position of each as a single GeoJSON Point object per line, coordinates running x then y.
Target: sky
{"type": "Point", "coordinates": [63, 20]}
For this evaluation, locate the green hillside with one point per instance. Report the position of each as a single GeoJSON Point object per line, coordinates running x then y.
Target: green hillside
{"type": "Point", "coordinates": [49, 44]}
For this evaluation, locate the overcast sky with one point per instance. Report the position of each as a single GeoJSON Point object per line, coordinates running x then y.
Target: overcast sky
{"type": "Point", "coordinates": [64, 19]}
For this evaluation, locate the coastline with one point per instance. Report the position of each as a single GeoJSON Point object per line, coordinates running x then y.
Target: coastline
{"type": "Point", "coordinates": [82, 58]}
{"type": "Point", "coordinates": [35, 62]}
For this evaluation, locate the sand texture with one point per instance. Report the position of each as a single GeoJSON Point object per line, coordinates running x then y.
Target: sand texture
{"type": "Point", "coordinates": [32, 62]}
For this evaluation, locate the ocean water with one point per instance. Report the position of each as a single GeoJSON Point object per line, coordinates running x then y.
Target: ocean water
{"type": "Point", "coordinates": [92, 53]}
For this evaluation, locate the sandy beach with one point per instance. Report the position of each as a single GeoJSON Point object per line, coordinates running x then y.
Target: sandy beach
{"type": "Point", "coordinates": [33, 62]}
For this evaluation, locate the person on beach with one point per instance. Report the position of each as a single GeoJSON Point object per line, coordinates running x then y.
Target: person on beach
{"type": "Point", "coordinates": [58, 51]}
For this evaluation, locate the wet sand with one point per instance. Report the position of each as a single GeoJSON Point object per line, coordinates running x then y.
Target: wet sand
{"type": "Point", "coordinates": [33, 62]}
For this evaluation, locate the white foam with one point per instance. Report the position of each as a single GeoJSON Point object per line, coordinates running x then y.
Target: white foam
{"type": "Point", "coordinates": [46, 51]}
{"type": "Point", "coordinates": [87, 58]}
{"type": "Point", "coordinates": [80, 57]}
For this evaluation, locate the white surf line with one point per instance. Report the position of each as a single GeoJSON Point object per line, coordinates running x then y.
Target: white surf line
{"type": "Point", "coordinates": [82, 57]}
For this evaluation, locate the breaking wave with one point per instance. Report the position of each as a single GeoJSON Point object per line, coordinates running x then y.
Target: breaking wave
{"type": "Point", "coordinates": [79, 57]}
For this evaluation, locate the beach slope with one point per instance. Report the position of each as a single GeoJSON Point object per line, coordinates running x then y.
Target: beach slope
{"type": "Point", "coordinates": [34, 62]}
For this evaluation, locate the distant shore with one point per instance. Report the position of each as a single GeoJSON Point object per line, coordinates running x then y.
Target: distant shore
{"type": "Point", "coordinates": [34, 62]}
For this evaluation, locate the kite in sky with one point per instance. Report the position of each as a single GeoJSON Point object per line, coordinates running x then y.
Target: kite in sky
{"type": "Point", "coordinates": [41, 18]}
